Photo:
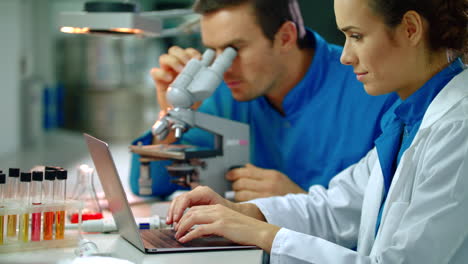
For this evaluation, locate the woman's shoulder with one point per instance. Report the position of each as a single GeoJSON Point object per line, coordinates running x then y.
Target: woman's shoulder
{"type": "Point", "coordinates": [450, 104]}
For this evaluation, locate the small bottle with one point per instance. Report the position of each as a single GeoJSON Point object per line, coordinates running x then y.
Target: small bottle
{"type": "Point", "coordinates": [60, 194]}
{"type": "Point", "coordinates": [36, 199]}
{"type": "Point", "coordinates": [12, 193]}
{"type": "Point", "coordinates": [48, 198]}
{"type": "Point", "coordinates": [2, 200]}
{"type": "Point", "coordinates": [24, 196]}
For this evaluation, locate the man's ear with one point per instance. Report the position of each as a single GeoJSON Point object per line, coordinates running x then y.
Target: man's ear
{"type": "Point", "coordinates": [414, 27]}
{"type": "Point", "coordinates": [286, 37]}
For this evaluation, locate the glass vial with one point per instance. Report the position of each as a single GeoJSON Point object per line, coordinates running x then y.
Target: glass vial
{"type": "Point", "coordinates": [24, 196]}
{"type": "Point", "coordinates": [60, 194]}
{"type": "Point", "coordinates": [36, 199]}
{"type": "Point", "coordinates": [2, 204]}
{"type": "Point", "coordinates": [12, 193]}
{"type": "Point", "coordinates": [48, 198]}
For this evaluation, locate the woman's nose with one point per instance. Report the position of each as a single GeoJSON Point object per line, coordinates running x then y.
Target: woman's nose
{"type": "Point", "coordinates": [347, 57]}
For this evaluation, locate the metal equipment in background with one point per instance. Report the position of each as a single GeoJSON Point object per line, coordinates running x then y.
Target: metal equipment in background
{"type": "Point", "coordinates": [117, 18]}
{"type": "Point", "coordinates": [105, 72]}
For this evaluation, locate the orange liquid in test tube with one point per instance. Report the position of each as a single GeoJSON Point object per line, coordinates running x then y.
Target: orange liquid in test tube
{"type": "Point", "coordinates": [60, 225]}
{"type": "Point", "coordinates": [60, 196]}
{"type": "Point", "coordinates": [48, 225]}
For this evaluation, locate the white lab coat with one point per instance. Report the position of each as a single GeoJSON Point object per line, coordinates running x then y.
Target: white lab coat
{"type": "Point", "coordinates": [425, 219]}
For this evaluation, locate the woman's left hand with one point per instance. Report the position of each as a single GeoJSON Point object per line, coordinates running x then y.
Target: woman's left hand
{"type": "Point", "coordinates": [222, 221]}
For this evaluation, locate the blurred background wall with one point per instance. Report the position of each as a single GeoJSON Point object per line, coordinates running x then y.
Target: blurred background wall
{"type": "Point", "coordinates": [100, 85]}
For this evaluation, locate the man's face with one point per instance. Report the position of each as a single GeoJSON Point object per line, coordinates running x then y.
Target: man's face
{"type": "Point", "coordinates": [257, 68]}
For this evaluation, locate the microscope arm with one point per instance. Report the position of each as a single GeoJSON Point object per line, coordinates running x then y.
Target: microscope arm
{"type": "Point", "coordinates": [230, 131]}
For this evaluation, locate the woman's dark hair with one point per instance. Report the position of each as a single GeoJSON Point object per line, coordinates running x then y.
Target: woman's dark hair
{"type": "Point", "coordinates": [448, 19]}
{"type": "Point", "coordinates": [270, 15]}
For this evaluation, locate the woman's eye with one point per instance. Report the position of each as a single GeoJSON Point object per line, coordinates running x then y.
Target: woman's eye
{"type": "Point", "coordinates": [356, 36]}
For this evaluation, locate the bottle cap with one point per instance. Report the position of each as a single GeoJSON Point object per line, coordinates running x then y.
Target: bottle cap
{"type": "Point", "coordinates": [14, 172]}
{"type": "Point", "coordinates": [62, 174]}
{"type": "Point", "coordinates": [37, 175]}
{"type": "Point", "coordinates": [2, 178]}
{"type": "Point", "coordinates": [25, 177]}
{"type": "Point", "coordinates": [50, 175]}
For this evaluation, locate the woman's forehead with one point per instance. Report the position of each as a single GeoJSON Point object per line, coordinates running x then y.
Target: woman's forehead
{"type": "Point", "coordinates": [354, 13]}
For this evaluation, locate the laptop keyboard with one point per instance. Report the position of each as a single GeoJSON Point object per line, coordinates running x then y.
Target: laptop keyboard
{"type": "Point", "coordinates": [164, 238]}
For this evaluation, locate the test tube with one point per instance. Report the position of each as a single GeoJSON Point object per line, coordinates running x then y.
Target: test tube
{"type": "Point", "coordinates": [24, 195]}
{"type": "Point", "coordinates": [48, 197]}
{"type": "Point", "coordinates": [12, 193]}
{"type": "Point", "coordinates": [60, 196]}
{"type": "Point", "coordinates": [2, 200]}
{"type": "Point", "coordinates": [36, 199]}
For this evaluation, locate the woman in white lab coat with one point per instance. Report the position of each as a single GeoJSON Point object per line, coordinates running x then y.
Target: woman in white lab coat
{"type": "Point", "coordinates": [406, 201]}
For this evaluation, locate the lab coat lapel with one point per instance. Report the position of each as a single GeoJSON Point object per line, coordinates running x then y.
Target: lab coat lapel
{"type": "Point", "coordinates": [370, 210]}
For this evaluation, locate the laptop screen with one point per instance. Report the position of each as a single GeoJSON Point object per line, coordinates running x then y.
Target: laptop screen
{"type": "Point", "coordinates": [114, 191]}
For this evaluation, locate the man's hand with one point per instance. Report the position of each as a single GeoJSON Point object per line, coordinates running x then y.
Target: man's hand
{"type": "Point", "coordinates": [251, 182]}
{"type": "Point", "coordinates": [171, 64]}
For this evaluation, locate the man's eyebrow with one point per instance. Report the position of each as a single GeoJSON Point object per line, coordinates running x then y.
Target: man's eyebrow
{"type": "Point", "coordinates": [231, 43]}
{"type": "Point", "coordinates": [345, 29]}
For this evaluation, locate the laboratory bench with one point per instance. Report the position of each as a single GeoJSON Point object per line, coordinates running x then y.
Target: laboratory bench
{"type": "Point", "coordinates": [115, 246]}
{"type": "Point", "coordinates": [68, 150]}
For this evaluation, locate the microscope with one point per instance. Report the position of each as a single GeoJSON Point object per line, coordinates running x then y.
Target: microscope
{"type": "Point", "coordinates": [194, 165]}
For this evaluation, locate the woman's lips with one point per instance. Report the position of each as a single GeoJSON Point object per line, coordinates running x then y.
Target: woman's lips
{"type": "Point", "coordinates": [360, 75]}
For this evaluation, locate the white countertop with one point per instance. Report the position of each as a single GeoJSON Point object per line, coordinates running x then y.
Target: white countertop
{"type": "Point", "coordinates": [115, 246]}
{"type": "Point", "coordinates": [68, 150]}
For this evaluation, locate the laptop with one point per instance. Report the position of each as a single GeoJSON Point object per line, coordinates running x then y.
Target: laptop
{"type": "Point", "coordinates": [147, 240]}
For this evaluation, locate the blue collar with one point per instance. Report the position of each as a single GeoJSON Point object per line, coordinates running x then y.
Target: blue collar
{"type": "Point", "coordinates": [412, 110]}
{"type": "Point", "coordinates": [311, 83]}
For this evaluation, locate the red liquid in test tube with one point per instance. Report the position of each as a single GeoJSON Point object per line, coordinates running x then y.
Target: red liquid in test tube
{"type": "Point", "coordinates": [36, 199]}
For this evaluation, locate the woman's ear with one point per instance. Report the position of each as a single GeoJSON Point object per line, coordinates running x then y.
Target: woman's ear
{"type": "Point", "coordinates": [414, 27]}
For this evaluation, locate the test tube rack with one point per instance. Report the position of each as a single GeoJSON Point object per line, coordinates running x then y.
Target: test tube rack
{"type": "Point", "coordinates": [23, 239]}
